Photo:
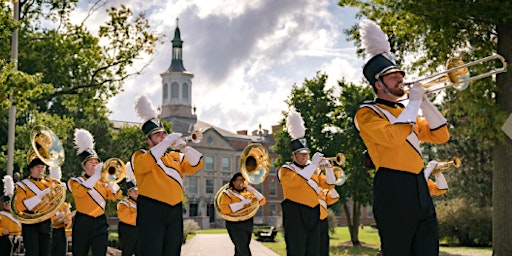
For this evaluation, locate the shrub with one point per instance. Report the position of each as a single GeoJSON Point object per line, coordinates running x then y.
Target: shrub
{"type": "Point", "coordinates": [190, 226]}
{"type": "Point", "coordinates": [463, 223]}
{"type": "Point", "coordinates": [332, 221]}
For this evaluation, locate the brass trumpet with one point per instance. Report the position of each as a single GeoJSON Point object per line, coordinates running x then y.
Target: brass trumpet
{"type": "Point", "coordinates": [339, 159]}
{"type": "Point", "coordinates": [113, 170]}
{"type": "Point", "coordinates": [456, 75]}
{"type": "Point", "coordinates": [443, 166]}
{"type": "Point", "coordinates": [196, 137]}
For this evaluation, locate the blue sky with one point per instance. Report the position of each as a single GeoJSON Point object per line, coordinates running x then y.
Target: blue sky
{"type": "Point", "coordinates": [245, 55]}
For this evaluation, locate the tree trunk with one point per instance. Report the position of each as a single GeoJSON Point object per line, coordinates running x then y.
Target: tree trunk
{"type": "Point", "coordinates": [353, 223]}
{"type": "Point", "coordinates": [502, 172]}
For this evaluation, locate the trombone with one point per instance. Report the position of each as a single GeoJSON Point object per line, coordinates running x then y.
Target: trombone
{"type": "Point", "coordinates": [456, 75]}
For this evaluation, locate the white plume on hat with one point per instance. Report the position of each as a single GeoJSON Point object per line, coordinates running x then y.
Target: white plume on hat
{"type": "Point", "coordinates": [295, 124]}
{"type": "Point", "coordinates": [56, 173]}
{"type": "Point", "coordinates": [8, 185]}
{"type": "Point", "coordinates": [130, 176]}
{"type": "Point", "coordinates": [373, 39]}
{"type": "Point", "coordinates": [144, 108]}
{"type": "Point", "coordinates": [83, 140]}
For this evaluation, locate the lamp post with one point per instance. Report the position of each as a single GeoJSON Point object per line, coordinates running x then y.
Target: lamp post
{"type": "Point", "coordinates": [12, 109]}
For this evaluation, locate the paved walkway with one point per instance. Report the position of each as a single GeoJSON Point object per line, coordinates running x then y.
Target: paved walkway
{"type": "Point", "coordinates": [219, 245]}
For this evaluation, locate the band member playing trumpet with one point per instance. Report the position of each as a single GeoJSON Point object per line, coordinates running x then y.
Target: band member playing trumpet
{"type": "Point", "coordinates": [159, 176]}
{"type": "Point", "coordinates": [30, 195]}
{"type": "Point", "coordinates": [90, 192]}
{"type": "Point", "coordinates": [234, 199]}
{"type": "Point", "coordinates": [9, 226]}
{"type": "Point", "coordinates": [127, 214]}
{"type": "Point", "coordinates": [402, 205]}
{"type": "Point", "coordinates": [61, 220]}
{"type": "Point", "coordinates": [300, 182]}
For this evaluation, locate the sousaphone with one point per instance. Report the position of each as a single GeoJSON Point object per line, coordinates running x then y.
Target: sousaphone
{"type": "Point", "coordinates": [48, 148]}
{"type": "Point", "coordinates": [255, 164]}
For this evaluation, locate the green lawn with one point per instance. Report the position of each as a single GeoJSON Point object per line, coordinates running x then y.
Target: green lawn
{"type": "Point", "coordinates": [340, 245]}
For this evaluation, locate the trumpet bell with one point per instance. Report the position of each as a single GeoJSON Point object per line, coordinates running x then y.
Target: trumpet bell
{"type": "Point", "coordinates": [255, 163]}
{"type": "Point", "coordinates": [46, 146]}
{"type": "Point", "coordinates": [113, 170]}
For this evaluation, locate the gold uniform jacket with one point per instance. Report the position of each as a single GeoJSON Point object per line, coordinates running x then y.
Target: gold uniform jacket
{"type": "Point", "coordinates": [326, 197]}
{"type": "Point", "coordinates": [297, 188]}
{"type": "Point", "coordinates": [7, 221]}
{"type": "Point", "coordinates": [162, 179]}
{"type": "Point", "coordinates": [387, 143]}
{"type": "Point", "coordinates": [127, 211]}
{"type": "Point", "coordinates": [91, 202]}
{"type": "Point", "coordinates": [230, 196]}
{"type": "Point", "coordinates": [28, 188]}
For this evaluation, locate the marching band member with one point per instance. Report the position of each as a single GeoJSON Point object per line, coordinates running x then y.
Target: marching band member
{"type": "Point", "coordinates": [159, 176]}
{"type": "Point", "coordinates": [29, 196]}
{"type": "Point", "coordinates": [127, 214]}
{"type": "Point", "coordinates": [327, 196]}
{"type": "Point", "coordinates": [299, 179]}
{"type": "Point", "coordinates": [60, 221]}
{"type": "Point", "coordinates": [235, 198]}
{"type": "Point", "coordinates": [8, 224]}
{"type": "Point", "coordinates": [90, 192]}
{"type": "Point", "coordinates": [392, 135]}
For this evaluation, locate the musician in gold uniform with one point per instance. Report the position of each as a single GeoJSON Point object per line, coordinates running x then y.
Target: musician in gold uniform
{"type": "Point", "coordinates": [300, 183]}
{"type": "Point", "coordinates": [60, 221]}
{"type": "Point", "coordinates": [9, 226]}
{"type": "Point", "coordinates": [159, 176]}
{"type": "Point", "coordinates": [127, 214]}
{"type": "Point", "coordinates": [234, 199]}
{"type": "Point", "coordinates": [29, 196]}
{"type": "Point", "coordinates": [402, 205]}
{"type": "Point", "coordinates": [90, 192]}
{"type": "Point", "coordinates": [327, 196]}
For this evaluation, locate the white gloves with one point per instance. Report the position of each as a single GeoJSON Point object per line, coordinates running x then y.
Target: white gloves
{"type": "Point", "coordinates": [310, 169]}
{"type": "Point", "coordinates": [255, 192]}
{"type": "Point", "coordinates": [192, 155]}
{"type": "Point", "coordinates": [30, 203]}
{"type": "Point", "coordinates": [441, 181]}
{"type": "Point", "coordinates": [410, 112]}
{"type": "Point", "coordinates": [114, 187]}
{"type": "Point", "coordinates": [434, 118]}
{"type": "Point", "coordinates": [430, 167]}
{"type": "Point", "coordinates": [159, 150]}
{"type": "Point", "coordinates": [330, 178]}
{"type": "Point", "coordinates": [179, 144]}
{"type": "Point", "coordinates": [91, 181]}
{"type": "Point", "coordinates": [239, 205]}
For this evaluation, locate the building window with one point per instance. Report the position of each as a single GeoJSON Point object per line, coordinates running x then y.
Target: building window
{"type": "Point", "coordinates": [369, 211]}
{"type": "Point", "coordinates": [272, 188]}
{"type": "Point", "coordinates": [208, 163]}
{"type": "Point", "coordinates": [193, 210]}
{"type": "Point", "coordinates": [192, 185]}
{"type": "Point", "coordinates": [210, 210]}
{"type": "Point", "coordinates": [226, 164]}
{"type": "Point", "coordinates": [175, 90]}
{"type": "Point", "coordinates": [184, 91]}
{"type": "Point", "coordinates": [273, 170]}
{"type": "Point", "coordinates": [209, 140]}
{"type": "Point", "coordinates": [260, 211]}
{"type": "Point", "coordinates": [166, 90]}
{"type": "Point", "coordinates": [273, 210]}
{"type": "Point", "coordinates": [209, 186]}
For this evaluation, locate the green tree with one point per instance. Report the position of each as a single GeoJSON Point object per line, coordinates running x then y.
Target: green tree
{"type": "Point", "coordinates": [432, 31]}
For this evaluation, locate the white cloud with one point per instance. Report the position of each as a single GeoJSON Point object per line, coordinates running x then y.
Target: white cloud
{"type": "Point", "coordinates": [245, 55]}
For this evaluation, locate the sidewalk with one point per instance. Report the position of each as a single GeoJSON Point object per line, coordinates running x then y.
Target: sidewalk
{"type": "Point", "coordinates": [219, 245]}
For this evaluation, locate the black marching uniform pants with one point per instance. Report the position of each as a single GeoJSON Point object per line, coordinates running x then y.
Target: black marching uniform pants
{"type": "Point", "coordinates": [5, 245]}
{"type": "Point", "coordinates": [59, 242]}
{"type": "Point", "coordinates": [240, 233]}
{"type": "Point", "coordinates": [405, 214]}
{"type": "Point", "coordinates": [90, 232]}
{"type": "Point", "coordinates": [159, 227]}
{"type": "Point", "coordinates": [324, 237]}
{"type": "Point", "coordinates": [127, 238]}
{"type": "Point", "coordinates": [37, 238]}
{"type": "Point", "coordinates": [301, 228]}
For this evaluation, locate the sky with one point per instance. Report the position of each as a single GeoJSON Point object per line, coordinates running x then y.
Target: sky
{"type": "Point", "coordinates": [245, 55]}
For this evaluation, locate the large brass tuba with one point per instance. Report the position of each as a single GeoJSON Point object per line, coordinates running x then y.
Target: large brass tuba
{"type": "Point", "coordinates": [255, 164]}
{"type": "Point", "coordinates": [47, 147]}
